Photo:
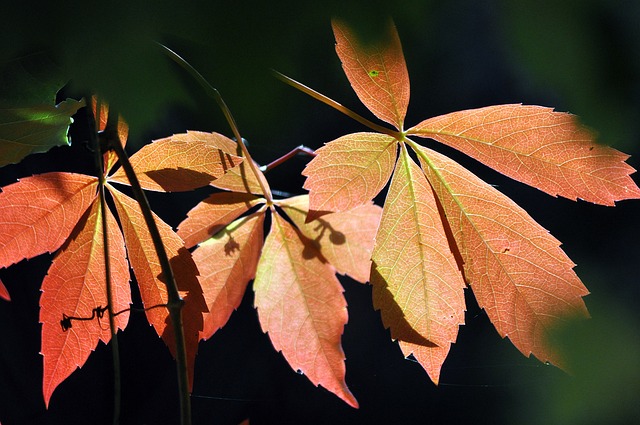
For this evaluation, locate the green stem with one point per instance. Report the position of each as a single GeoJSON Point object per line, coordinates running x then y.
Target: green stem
{"type": "Point", "coordinates": [215, 94]}
{"type": "Point", "coordinates": [115, 351]}
{"type": "Point", "coordinates": [335, 105]}
{"type": "Point", "coordinates": [175, 303]}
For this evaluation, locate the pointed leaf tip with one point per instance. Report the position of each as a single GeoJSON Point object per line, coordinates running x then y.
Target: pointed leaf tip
{"type": "Point", "coordinates": [75, 286]}
{"type": "Point", "coordinates": [540, 147]}
{"type": "Point", "coordinates": [417, 285]}
{"type": "Point", "coordinates": [301, 306]}
{"type": "Point", "coordinates": [377, 73]}
{"type": "Point", "coordinates": [516, 269]}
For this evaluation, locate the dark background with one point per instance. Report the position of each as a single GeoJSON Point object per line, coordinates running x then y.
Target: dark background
{"type": "Point", "coordinates": [577, 56]}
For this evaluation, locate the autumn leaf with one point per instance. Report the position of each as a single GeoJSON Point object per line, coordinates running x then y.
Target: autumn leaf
{"type": "Point", "coordinates": [59, 211]}
{"type": "Point", "coordinates": [537, 146]}
{"type": "Point", "coordinates": [38, 213]}
{"type": "Point", "coordinates": [516, 269]}
{"type": "Point", "coordinates": [440, 231]}
{"type": "Point", "coordinates": [377, 73]}
{"type": "Point", "coordinates": [227, 262]}
{"type": "Point", "coordinates": [417, 285]}
{"type": "Point", "coordinates": [75, 287]}
{"type": "Point", "coordinates": [146, 267]}
{"type": "Point", "coordinates": [301, 306]}
{"type": "Point", "coordinates": [294, 272]}
{"type": "Point", "coordinates": [174, 165]}
{"type": "Point", "coordinates": [212, 214]}
{"type": "Point", "coordinates": [349, 172]}
{"type": "Point", "coordinates": [350, 255]}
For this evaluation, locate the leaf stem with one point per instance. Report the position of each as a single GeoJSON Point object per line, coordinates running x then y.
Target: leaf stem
{"type": "Point", "coordinates": [335, 105]}
{"type": "Point", "coordinates": [175, 303]}
{"type": "Point", "coordinates": [295, 151]}
{"type": "Point", "coordinates": [215, 94]}
{"type": "Point", "coordinates": [115, 350]}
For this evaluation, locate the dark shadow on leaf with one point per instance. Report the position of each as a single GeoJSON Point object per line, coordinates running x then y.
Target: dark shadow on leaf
{"type": "Point", "coordinates": [180, 179]}
{"type": "Point", "coordinates": [392, 315]}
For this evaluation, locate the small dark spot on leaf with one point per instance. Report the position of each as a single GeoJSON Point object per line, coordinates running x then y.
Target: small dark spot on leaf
{"type": "Point", "coordinates": [374, 73]}
{"type": "Point", "coordinates": [504, 251]}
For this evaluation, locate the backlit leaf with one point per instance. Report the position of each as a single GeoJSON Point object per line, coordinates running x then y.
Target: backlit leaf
{"type": "Point", "coordinates": [377, 73]}
{"type": "Point", "coordinates": [38, 213]}
{"type": "Point", "coordinates": [238, 179]}
{"type": "Point", "coordinates": [212, 214]}
{"type": "Point", "coordinates": [227, 262]}
{"type": "Point", "coordinates": [417, 285]}
{"type": "Point", "coordinates": [537, 146]}
{"type": "Point", "coordinates": [516, 269]}
{"type": "Point", "coordinates": [75, 286]}
{"type": "Point", "coordinates": [173, 165]}
{"type": "Point", "coordinates": [345, 239]}
{"type": "Point", "coordinates": [301, 306]}
{"type": "Point", "coordinates": [349, 171]}
{"type": "Point", "coordinates": [146, 267]}
{"type": "Point", "coordinates": [34, 128]}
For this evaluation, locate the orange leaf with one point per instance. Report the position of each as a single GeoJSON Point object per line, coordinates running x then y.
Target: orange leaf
{"type": "Point", "coordinates": [344, 239]}
{"type": "Point", "coordinates": [174, 165]}
{"type": "Point", "coordinates": [212, 214]}
{"type": "Point", "coordinates": [38, 213]}
{"type": "Point", "coordinates": [238, 179]}
{"type": "Point", "coordinates": [4, 293]}
{"type": "Point", "coordinates": [75, 286]}
{"type": "Point", "coordinates": [146, 267]}
{"type": "Point", "coordinates": [101, 117]}
{"type": "Point", "coordinates": [227, 262]}
{"type": "Point", "coordinates": [300, 304]}
{"type": "Point", "coordinates": [349, 171]}
{"type": "Point", "coordinates": [417, 285]}
{"type": "Point", "coordinates": [377, 73]}
{"type": "Point", "coordinates": [537, 146]}
{"type": "Point", "coordinates": [516, 269]}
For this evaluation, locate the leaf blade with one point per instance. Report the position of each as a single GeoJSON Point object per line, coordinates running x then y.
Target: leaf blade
{"type": "Point", "coordinates": [212, 214]}
{"type": "Point", "coordinates": [301, 306]}
{"type": "Point", "coordinates": [39, 212]}
{"type": "Point", "coordinates": [75, 285]}
{"type": "Point", "coordinates": [378, 73]}
{"type": "Point", "coordinates": [344, 239]}
{"type": "Point", "coordinates": [227, 262]}
{"type": "Point", "coordinates": [146, 267]}
{"type": "Point", "coordinates": [537, 146]}
{"type": "Point", "coordinates": [417, 285]}
{"type": "Point", "coordinates": [516, 269]}
{"type": "Point", "coordinates": [349, 171]}
{"type": "Point", "coordinates": [174, 165]}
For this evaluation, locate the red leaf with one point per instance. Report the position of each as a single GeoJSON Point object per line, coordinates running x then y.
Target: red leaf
{"type": "Point", "coordinates": [101, 117]}
{"type": "Point", "coordinates": [4, 293]}
{"type": "Point", "coordinates": [212, 214]}
{"type": "Point", "coordinates": [349, 171]}
{"type": "Point", "coordinates": [532, 144]}
{"type": "Point", "coordinates": [417, 284]}
{"type": "Point", "coordinates": [146, 267]}
{"type": "Point", "coordinates": [75, 286]}
{"type": "Point", "coordinates": [344, 239]}
{"type": "Point", "coordinates": [516, 269]}
{"type": "Point", "coordinates": [300, 304]}
{"type": "Point", "coordinates": [38, 213]}
{"type": "Point", "coordinates": [173, 165]}
{"type": "Point", "coordinates": [227, 262]}
{"type": "Point", "coordinates": [377, 73]}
